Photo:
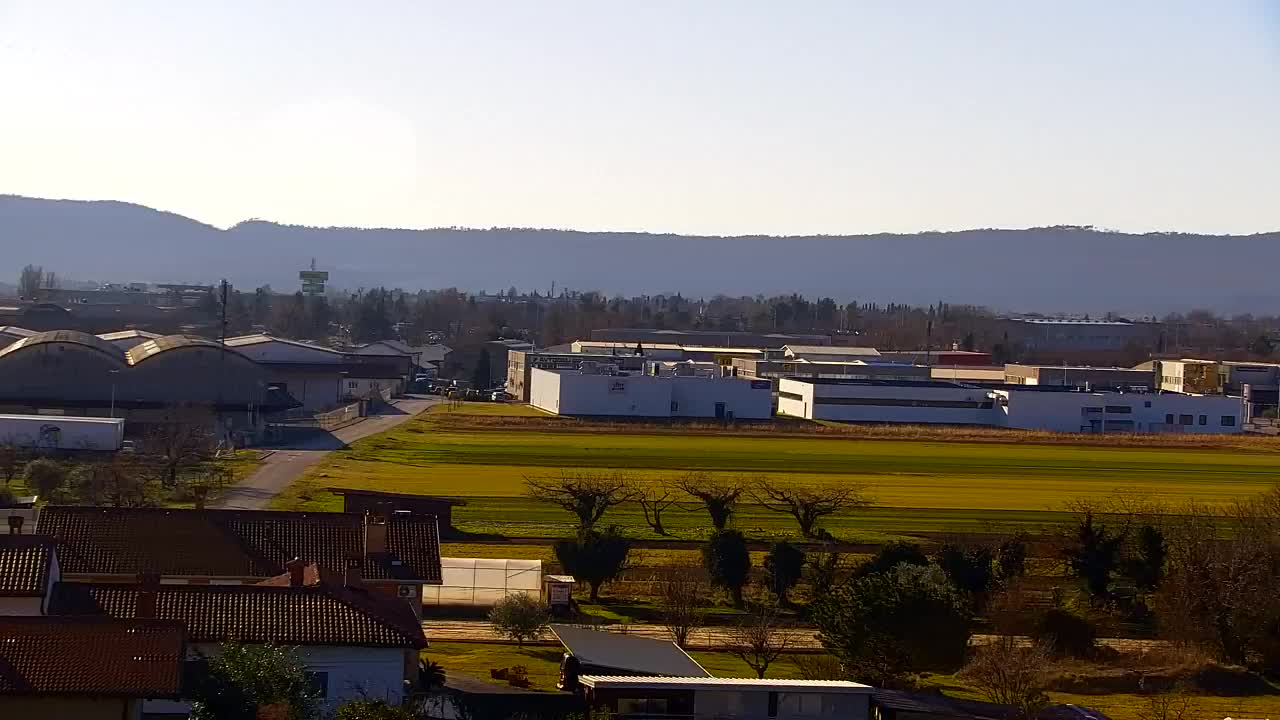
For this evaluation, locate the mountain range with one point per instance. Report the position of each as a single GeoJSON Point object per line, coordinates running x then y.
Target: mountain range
{"type": "Point", "coordinates": [1054, 269]}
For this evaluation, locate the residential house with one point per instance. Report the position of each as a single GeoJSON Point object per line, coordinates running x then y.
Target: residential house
{"type": "Point", "coordinates": [55, 668]}
{"type": "Point", "coordinates": [353, 642]}
{"type": "Point", "coordinates": [399, 551]}
{"type": "Point", "coordinates": [28, 569]}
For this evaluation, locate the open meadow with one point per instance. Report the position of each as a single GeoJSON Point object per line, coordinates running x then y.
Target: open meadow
{"type": "Point", "coordinates": [926, 484]}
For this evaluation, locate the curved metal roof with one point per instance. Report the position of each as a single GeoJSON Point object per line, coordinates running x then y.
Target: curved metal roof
{"type": "Point", "coordinates": [151, 348]}
{"type": "Point", "coordinates": [67, 337]}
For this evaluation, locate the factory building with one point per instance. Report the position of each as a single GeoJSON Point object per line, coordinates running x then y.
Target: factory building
{"type": "Point", "coordinates": [1058, 409]}
{"type": "Point", "coordinates": [709, 338]}
{"type": "Point", "coordinates": [321, 378]}
{"type": "Point", "coordinates": [802, 368]}
{"type": "Point", "coordinates": [1079, 376]}
{"type": "Point", "coordinates": [65, 372]}
{"type": "Point", "coordinates": [680, 390]}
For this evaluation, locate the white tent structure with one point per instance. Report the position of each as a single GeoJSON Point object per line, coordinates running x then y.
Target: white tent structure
{"type": "Point", "coordinates": [482, 582]}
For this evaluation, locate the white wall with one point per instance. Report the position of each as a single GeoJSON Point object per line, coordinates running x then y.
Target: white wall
{"type": "Point", "coordinates": [367, 387]}
{"type": "Point", "coordinates": [572, 393]}
{"type": "Point", "coordinates": [1148, 412]}
{"type": "Point", "coordinates": [316, 391]}
{"type": "Point", "coordinates": [544, 390]}
{"type": "Point", "coordinates": [884, 403]}
{"type": "Point", "coordinates": [696, 397]}
{"type": "Point", "coordinates": [354, 672]}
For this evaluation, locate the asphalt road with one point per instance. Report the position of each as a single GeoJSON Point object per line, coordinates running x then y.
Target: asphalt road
{"type": "Point", "coordinates": [285, 465]}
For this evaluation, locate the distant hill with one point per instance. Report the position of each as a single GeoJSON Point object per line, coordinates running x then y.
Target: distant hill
{"type": "Point", "coordinates": [1063, 269]}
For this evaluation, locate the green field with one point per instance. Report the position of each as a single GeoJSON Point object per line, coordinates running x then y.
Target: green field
{"type": "Point", "coordinates": [918, 486]}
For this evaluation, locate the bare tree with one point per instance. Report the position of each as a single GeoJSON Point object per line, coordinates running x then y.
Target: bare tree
{"type": "Point", "coordinates": [587, 495]}
{"type": "Point", "coordinates": [10, 460]}
{"type": "Point", "coordinates": [1009, 672]}
{"type": "Point", "coordinates": [183, 437]}
{"type": "Point", "coordinates": [680, 602]}
{"type": "Point", "coordinates": [654, 500]}
{"type": "Point", "coordinates": [116, 482]}
{"type": "Point", "coordinates": [760, 638]}
{"type": "Point", "coordinates": [809, 504]}
{"type": "Point", "coordinates": [1176, 705]}
{"type": "Point", "coordinates": [717, 495]}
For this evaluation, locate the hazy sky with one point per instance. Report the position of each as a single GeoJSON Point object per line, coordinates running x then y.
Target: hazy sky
{"type": "Point", "coordinates": [688, 116]}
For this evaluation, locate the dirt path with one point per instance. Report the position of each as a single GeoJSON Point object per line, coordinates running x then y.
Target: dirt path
{"type": "Point", "coordinates": [705, 638]}
{"type": "Point", "coordinates": [284, 465]}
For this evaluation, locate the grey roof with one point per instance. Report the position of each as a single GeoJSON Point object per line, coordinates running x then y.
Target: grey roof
{"type": "Point", "coordinates": [158, 344]}
{"type": "Point", "coordinates": [604, 682]}
{"type": "Point", "coordinates": [628, 653]}
{"type": "Point", "coordinates": [128, 335]}
{"type": "Point", "coordinates": [67, 337]}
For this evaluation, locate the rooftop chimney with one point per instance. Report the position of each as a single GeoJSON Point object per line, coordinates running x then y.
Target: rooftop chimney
{"type": "Point", "coordinates": [375, 531]}
{"type": "Point", "coordinates": [296, 566]}
{"type": "Point", "coordinates": [15, 524]}
{"type": "Point", "coordinates": [148, 587]}
{"type": "Point", "coordinates": [354, 576]}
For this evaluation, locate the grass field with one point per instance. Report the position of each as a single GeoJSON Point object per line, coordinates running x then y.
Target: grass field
{"type": "Point", "coordinates": [918, 486]}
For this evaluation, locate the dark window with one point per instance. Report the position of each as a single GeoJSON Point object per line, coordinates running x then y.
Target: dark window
{"type": "Point", "coordinates": [1204, 419]}
{"type": "Point", "coordinates": [319, 682]}
{"type": "Point", "coordinates": [1090, 410]}
{"type": "Point", "coordinates": [674, 406]}
{"type": "Point", "coordinates": [1168, 418]}
{"type": "Point", "coordinates": [1119, 409]}
{"type": "Point", "coordinates": [1228, 421]}
{"type": "Point", "coordinates": [773, 704]}
{"type": "Point", "coordinates": [1186, 419]}
{"type": "Point", "coordinates": [1146, 404]}
{"type": "Point", "coordinates": [790, 395]}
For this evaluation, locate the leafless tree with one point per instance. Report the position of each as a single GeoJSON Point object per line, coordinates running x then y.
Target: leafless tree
{"type": "Point", "coordinates": [587, 495]}
{"type": "Point", "coordinates": [719, 496]}
{"type": "Point", "coordinates": [116, 482]}
{"type": "Point", "coordinates": [1009, 672]}
{"type": "Point", "coordinates": [680, 602]}
{"type": "Point", "coordinates": [809, 503]}
{"type": "Point", "coordinates": [1176, 705]}
{"type": "Point", "coordinates": [760, 638]}
{"type": "Point", "coordinates": [10, 460]}
{"type": "Point", "coordinates": [182, 437]}
{"type": "Point", "coordinates": [654, 500]}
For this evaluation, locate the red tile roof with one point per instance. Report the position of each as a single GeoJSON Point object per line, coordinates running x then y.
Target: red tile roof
{"type": "Point", "coordinates": [323, 614]}
{"type": "Point", "coordinates": [233, 543]}
{"type": "Point", "coordinates": [25, 564]}
{"type": "Point", "coordinates": [75, 656]}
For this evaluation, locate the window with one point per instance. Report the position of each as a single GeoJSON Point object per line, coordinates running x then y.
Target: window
{"type": "Point", "coordinates": [1119, 409]}
{"type": "Point", "coordinates": [1168, 418]}
{"type": "Point", "coordinates": [319, 682]}
{"type": "Point", "coordinates": [351, 384]}
{"type": "Point", "coordinates": [1186, 419]}
{"type": "Point", "coordinates": [674, 406]}
{"type": "Point", "coordinates": [1228, 421]}
{"type": "Point", "coordinates": [1090, 411]}
{"type": "Point", "coordinates": [642, 706]}
{"type": "Point", "coordinates": [1146, 404]}
{"type": "Point", "coordinates": [1204, 419]}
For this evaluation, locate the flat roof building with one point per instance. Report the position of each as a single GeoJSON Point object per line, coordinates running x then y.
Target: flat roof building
{"type": "Point", "coordinates": [712, 338]}
{"type": "Point", "coordinates": [1079, 376]}
{"type": "Point", "coordinates": [679, 391]}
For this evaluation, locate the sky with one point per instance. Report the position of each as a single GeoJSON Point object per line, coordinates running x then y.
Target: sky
{"type": "Point", "coordinates": [707, 117]}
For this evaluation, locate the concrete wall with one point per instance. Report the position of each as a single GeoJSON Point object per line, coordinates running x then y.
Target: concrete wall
{"type": "Point", "coordinates": [353, 672]}
{"type": "Point", "coordinates": [61, 708]}
{"type": "Point", "coordinates": [1127, 412]}
{"type": "Point", "coordinates": [544, 390]}
{"type": "Point", "coordinates": [696, 397]}
{"type": "Point", "coordinates": [916, 404]}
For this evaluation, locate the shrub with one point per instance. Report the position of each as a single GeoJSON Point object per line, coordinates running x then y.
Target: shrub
{"type": "Point", "coordinates": [887, 625]}
{"type": "Point", "coordinates": [784, 564]}
{"type": "Point", "coordinates": [890, 557]}
{"type": "Point", "coordinates": [1066, 633]}
{"type": "Point", "coordinates": [594, 557]}
{"type": "Point", "coordinates": [728, 562]}
{"type": "Point", "coordinates": [46, 477]}
{"type": "Point", "coordinates": [519, 617]}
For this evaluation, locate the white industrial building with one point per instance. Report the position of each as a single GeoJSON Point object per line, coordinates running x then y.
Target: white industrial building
{"type": "Point", "coordinates": [680, 390]}
{"type": "Point", "coordinates": [1057, 409]}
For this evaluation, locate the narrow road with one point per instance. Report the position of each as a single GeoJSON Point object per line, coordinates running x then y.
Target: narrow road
{"type": "Point", "coordinates": [703, 638]}
{"type": "Point", "coordinates": [285, 465]}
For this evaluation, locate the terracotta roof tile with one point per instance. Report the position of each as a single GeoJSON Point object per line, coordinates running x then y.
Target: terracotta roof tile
{"type": "Point", "coordinates": [310, 615]}
{"type": "Point", "coordinates": [71, 656]}
{"type": "Point", "coordinates": [233, 543]}
{"type": "Point", "coordinates": [25, 564]}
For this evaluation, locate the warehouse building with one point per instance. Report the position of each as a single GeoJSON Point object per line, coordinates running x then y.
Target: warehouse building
{"type": "Point", "coordinates": [71, 373]}
{"type": "Point", "coordinates": [521, 363]}
{"type": "Point", "coordinates": [662, 391]}
{"type": "Point", "coordinates": [1057, 409]}
{"type": "Point", "coordinates": [1080, 376]}
{"type": "Point", "coordinates": [773, 370]}
{"type": "Point", "coordinates": [710, 338]}
{"type": "Point", "coordinates": [321, 378]}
